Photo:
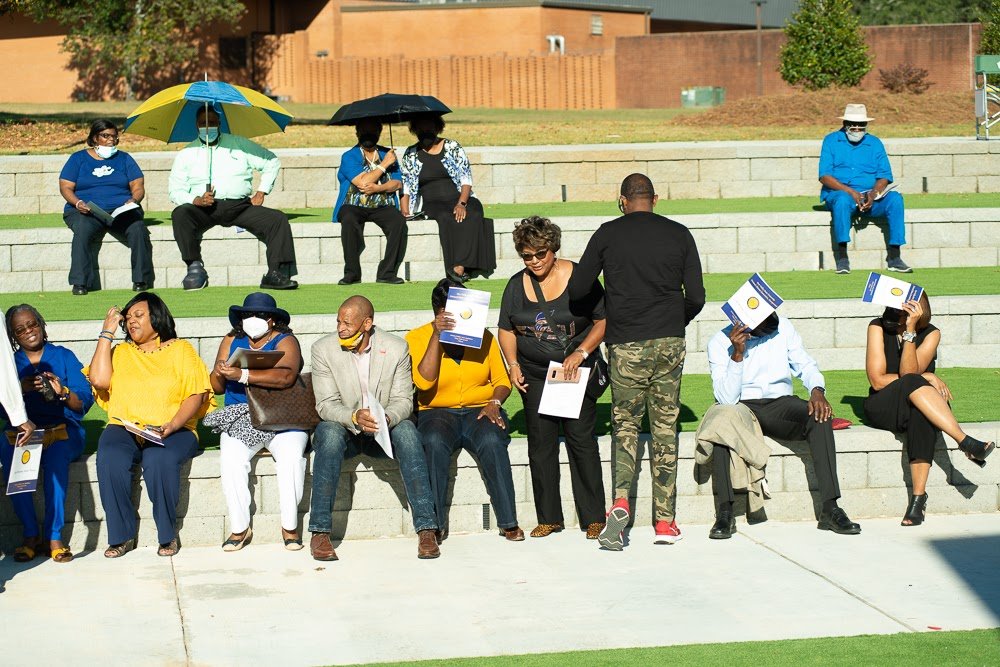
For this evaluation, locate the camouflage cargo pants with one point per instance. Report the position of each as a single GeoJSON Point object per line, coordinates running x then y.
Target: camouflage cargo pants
{"type": "Point", "coordinates": [646, 375]}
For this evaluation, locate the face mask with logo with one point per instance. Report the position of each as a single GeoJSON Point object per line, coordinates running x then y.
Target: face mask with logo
{"type": "Point", "coordinates": [106, 151]}
{"type": "Point", "coordinates": [255, 327]}
{"type": "Point", "coordinates": [854, 136]}
{"type": "Point", "coordinates": [368, 140]}
{"type": "Point", "coordinates": [208, 134]}
{"type": "Point", "coordinates": [351, 342]}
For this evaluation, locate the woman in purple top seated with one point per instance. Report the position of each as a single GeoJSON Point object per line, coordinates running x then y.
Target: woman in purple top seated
{"type": "Point", "coordinates": [95, 183]}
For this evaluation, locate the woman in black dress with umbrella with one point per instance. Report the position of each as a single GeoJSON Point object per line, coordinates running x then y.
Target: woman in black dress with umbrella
{"type": "Point", "coordinates": [437, 179]}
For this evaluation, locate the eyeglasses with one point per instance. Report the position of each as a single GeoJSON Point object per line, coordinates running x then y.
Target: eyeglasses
{"type": "Point", "coordinates": [857, 128]}
{"type": "Point", "coordinates": [25, 328]}
{"type": "Point", "coordinates": [528, 256]}
{"type": "Point", "coordinates": [109, 136]}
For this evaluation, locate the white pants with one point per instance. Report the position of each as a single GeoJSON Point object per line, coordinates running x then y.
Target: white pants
{"type": "Point", "coordinates": [287, 448]}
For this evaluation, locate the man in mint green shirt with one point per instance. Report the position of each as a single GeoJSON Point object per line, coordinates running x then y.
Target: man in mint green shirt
{"type": "Point", "coordinates": [212, 184]}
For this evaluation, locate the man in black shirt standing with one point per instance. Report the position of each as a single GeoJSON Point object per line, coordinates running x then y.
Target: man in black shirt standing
{"type": "Point", "coordinates": [653, 285]}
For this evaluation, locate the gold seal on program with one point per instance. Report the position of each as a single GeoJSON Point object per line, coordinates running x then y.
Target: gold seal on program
{"type": "Point", "coordinates": [25, 456]}
{"type": "Point", "coordinates": [466, 314]}
{"type": "Point", "coordinates": [896, 291]}
{"type": "Point", "coordinates": [753, 302]}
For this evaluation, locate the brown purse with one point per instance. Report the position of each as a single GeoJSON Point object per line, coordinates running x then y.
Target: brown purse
{"type": "Point", "coordinates": [289, 409]}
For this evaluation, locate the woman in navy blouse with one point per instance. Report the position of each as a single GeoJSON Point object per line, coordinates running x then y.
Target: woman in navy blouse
{"type": "Point", "coordinates": [108, 178]}
{"type": "Point", "coordinates": [56, 394]}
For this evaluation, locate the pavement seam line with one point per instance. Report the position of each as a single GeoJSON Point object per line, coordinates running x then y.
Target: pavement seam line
{"type": "Point", "coordinates": [180, 613]}
{"type": "Point", "coordinates": [833, 583]}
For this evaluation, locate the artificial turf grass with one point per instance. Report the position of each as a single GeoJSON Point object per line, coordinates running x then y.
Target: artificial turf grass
{"type": "Point", "coordinates": [325, 299]}
{"type": "Point", "coordinates": [970, 647]}
{"type": "Point", "coordinates": [846, 391]}
{"type": "Point", "coordinates": [608, 209]}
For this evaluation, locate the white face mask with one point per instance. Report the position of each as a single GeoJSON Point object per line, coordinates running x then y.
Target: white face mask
{"type": "Point", "coordinates": [106, 151]}
{"type": "Point", "coordinates": [255, 327]}
{"type": "Point", "coordinates": [854, 136]}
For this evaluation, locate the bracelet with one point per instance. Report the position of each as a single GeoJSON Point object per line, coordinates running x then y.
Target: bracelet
{"type": "Point", "coordinates": [106, 337]}
{"type": "Point", "coordinates": [107, 332]}
{"type": "Point", "coordinates": [244, 376]}
{"type": "Point", "coordinates": [583, 353]}
{"type": "Point", "coordinates": [495, 400]}
{"type": "Point", "coordinates": [64, 394]}
{"type": "Point", "coordinates": [513, 364]}
{"type": "Point", "coordinates": [463, 203]}
{"type": "Point", "coordinates": [380, 167]}
{"type": "Point", "coordinates": [354, 418]}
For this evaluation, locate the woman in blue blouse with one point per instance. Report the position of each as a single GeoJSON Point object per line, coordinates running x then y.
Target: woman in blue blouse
{"type": "Point", "coordinates": [437, 180]}
{"type": "Point", "coordinates": [103, 175]}
{"type": "Point", "coordinates": [56, 394]}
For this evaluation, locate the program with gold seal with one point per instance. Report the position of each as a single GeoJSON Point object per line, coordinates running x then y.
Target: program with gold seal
{"type": "Point", "coordinates": [752, 303]}
{"type": "Point", "coordinates": [25, 464]}
{"type": "Point", "coordinates": [469, 308]}
{"type": "Point", "coordinates": [892, 292]}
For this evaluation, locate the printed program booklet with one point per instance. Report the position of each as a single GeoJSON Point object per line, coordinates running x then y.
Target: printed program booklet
{"type": "Point", "coordinates": [892, 292]}
{"type": "Point", "coordinates": [469, 308]}
{"type": "Point", "coordinates": [752, 303]}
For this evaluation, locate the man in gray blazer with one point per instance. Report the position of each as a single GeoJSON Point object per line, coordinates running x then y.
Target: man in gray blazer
{"type": "Point", "coordinates": [346, 368]}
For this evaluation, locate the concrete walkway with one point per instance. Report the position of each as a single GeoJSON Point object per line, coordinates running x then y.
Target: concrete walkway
{"type": "Point", "coordinates": [485, 596]}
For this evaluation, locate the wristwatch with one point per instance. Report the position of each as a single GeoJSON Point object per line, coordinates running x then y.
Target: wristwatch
{"type": "Point", "coordinates": [909, 336]}
{"type": "Point", "coordinates": [64, 396]}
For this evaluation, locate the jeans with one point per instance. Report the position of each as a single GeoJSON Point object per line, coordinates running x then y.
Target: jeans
{"type": "Point", "coordinates": [444, 431]}
{"type": "Point", "coordinates": [332, 443]}
{"type": "Point", "coordinates": [843, 208]}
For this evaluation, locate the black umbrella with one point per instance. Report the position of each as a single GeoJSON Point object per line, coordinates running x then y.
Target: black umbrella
{"type": "Point", "coordinates": [388, 108]}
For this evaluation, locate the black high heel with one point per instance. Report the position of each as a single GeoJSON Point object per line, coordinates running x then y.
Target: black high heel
{"type": "Point", "coordinates": [976, 450]}
{"type": "Point", "coordinates": [915, 510]}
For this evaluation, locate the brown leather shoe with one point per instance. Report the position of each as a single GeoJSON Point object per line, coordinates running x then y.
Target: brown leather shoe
{"type": "Point", "coordinates": [321, 547]}
{"type": "Point", "coordinates": [514, 534]}
{"type": "Point", "coordinates": [427, 545]}
{"type": "Point", "coordinates": [594, 530]}
{"type": "Point", "coordinates": [546, 529]}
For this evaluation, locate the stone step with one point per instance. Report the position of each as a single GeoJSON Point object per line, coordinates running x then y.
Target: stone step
{"type": "Point", "coordinates": [834, 330]}
{"type": "Point", "coordinates": [38, 259]}
{"type": "Point", "coordinates": [370, 502]}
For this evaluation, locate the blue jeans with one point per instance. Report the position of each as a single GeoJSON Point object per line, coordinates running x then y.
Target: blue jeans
{"type": "Point", "coordinates": [332, 443]}
{"type": "Point", "coordinates": [843, 208]}
{"type": "Point", "coordinates": [444, 431]}
{"type": "Point", "coordinates": [55, 476]}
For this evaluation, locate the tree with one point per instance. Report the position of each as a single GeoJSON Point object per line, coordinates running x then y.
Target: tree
{"type": "Point", "coordinates": [115, 41]}
{"type": "Point", "coordinates": [990, 42]}
{"type": "Point", "coordinates": [825, 46]}
{"type": "Point", "coordinates": [896, 12]}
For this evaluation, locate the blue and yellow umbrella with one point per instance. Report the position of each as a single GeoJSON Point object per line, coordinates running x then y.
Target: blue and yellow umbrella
{"type": "Point", "coordinates": [169, 115]}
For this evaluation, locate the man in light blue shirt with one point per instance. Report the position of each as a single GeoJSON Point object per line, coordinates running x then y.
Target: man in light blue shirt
{"type": "Point", "coordinates": [212, 184]}
{"type": "Point", "coordinates": [855, 172]}
{"type": "Point", "coordinates": [755, 368]}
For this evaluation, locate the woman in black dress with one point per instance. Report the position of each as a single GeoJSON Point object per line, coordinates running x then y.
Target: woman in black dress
{"type": "Point", "coordinates": [532, 334]}
{"type": "Point", "coordinates": [907, 397]}
{"type": "Point", "coordinates": [437, 180]}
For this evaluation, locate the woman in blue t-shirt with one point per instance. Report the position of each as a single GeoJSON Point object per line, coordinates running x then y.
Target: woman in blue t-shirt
{"type": "Point", "coordinates": [97, 182]}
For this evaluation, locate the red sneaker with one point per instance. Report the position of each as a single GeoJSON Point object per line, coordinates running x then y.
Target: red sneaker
{"type": "Point", "coordinates": [618, 516]}
{"type": "Point", "coordinates": [667, 533]}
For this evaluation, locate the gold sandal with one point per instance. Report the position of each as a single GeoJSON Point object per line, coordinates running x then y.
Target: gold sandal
{"type": "Point", "coordinates": [62, 555]}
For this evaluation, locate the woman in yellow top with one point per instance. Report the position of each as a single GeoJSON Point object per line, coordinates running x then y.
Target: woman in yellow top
{"type": "Point", "coordinates": [152, 381]}
{"type": "Point", "coordinates": [460, 391]}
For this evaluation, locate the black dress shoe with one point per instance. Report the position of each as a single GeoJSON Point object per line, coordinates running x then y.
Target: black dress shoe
{"type": "Point", "coordinates": [275, 279]}
{"type": "Point", "coordinates": [724, 526]}
{"type": "Point", "coordinates": [79, 290]}
{"type": "Point", "coordinates": [395, 280]}
{"type": "Point", "coordinates": [838, 522]}
{"type": "Point", "coordinates": [139, 287]}
{"type": "Point", "coordinates": [348, 281]}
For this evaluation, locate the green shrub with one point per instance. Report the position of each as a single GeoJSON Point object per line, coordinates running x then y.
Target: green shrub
{"type": "Point", "coordinates": [825, 46]}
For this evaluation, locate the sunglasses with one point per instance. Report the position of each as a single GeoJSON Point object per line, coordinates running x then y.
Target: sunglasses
{"type": "Point", "coordinates": [263, 316]}
{"type": "Point", "coordinates": [25, 328]}
{"type": "Point", "coordinates": [528, 256]}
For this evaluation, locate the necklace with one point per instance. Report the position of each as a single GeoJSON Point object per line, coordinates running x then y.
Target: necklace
{"type": "Point", "coordinates": [264, 342]}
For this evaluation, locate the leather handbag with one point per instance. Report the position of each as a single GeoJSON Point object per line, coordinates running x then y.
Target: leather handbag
{"type": "Point", "coordinates": [289, 409]}
{"type": "Point", "coordinates": [600, 377]}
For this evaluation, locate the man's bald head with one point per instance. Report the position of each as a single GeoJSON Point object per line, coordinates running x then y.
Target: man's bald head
{"type": "Point", "coordinates": [359, 305]}
{"type": "Point", "coordinates": [637, 194]}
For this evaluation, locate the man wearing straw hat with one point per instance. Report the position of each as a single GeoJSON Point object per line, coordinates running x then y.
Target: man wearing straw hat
{"type": "Point", "coordinates": [856, 176]}
{"type": "Point", "coordinates": [218, 190]}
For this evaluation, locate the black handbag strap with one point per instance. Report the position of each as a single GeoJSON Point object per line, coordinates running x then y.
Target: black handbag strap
{"type": "Point", "coordinates": [542, 303]}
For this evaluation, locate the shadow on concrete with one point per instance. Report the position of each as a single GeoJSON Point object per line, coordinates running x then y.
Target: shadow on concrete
{"type": "Point", "coordinates": [975, 560]}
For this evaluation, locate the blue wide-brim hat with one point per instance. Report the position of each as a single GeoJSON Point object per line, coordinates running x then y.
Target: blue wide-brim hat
{"type": "Point", "coordinates": [258, 302]}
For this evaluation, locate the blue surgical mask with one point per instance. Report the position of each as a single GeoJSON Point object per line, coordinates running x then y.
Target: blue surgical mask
{"type": "Point", "coordinates": [208, 134]}
{"type": "Point", "coordinates": [106, 152]}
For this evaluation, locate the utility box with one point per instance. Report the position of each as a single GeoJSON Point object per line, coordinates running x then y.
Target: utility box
{"type": "Point", "coordinates": [703, 96]}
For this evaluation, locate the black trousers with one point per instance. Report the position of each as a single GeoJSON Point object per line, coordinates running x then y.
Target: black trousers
{"type": "Point", "coordinates": [88, 235]}
{"type": "Point", "coordinates": [269, 225]}
{"type": "Point", "coordinates": [890, 409]}
{"type": "Point", "coordinates": [352, 238]}
{"type": "Point", "coordinates": [787, 418]}
{"type": "Point", "coordinates": [543, 459]}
